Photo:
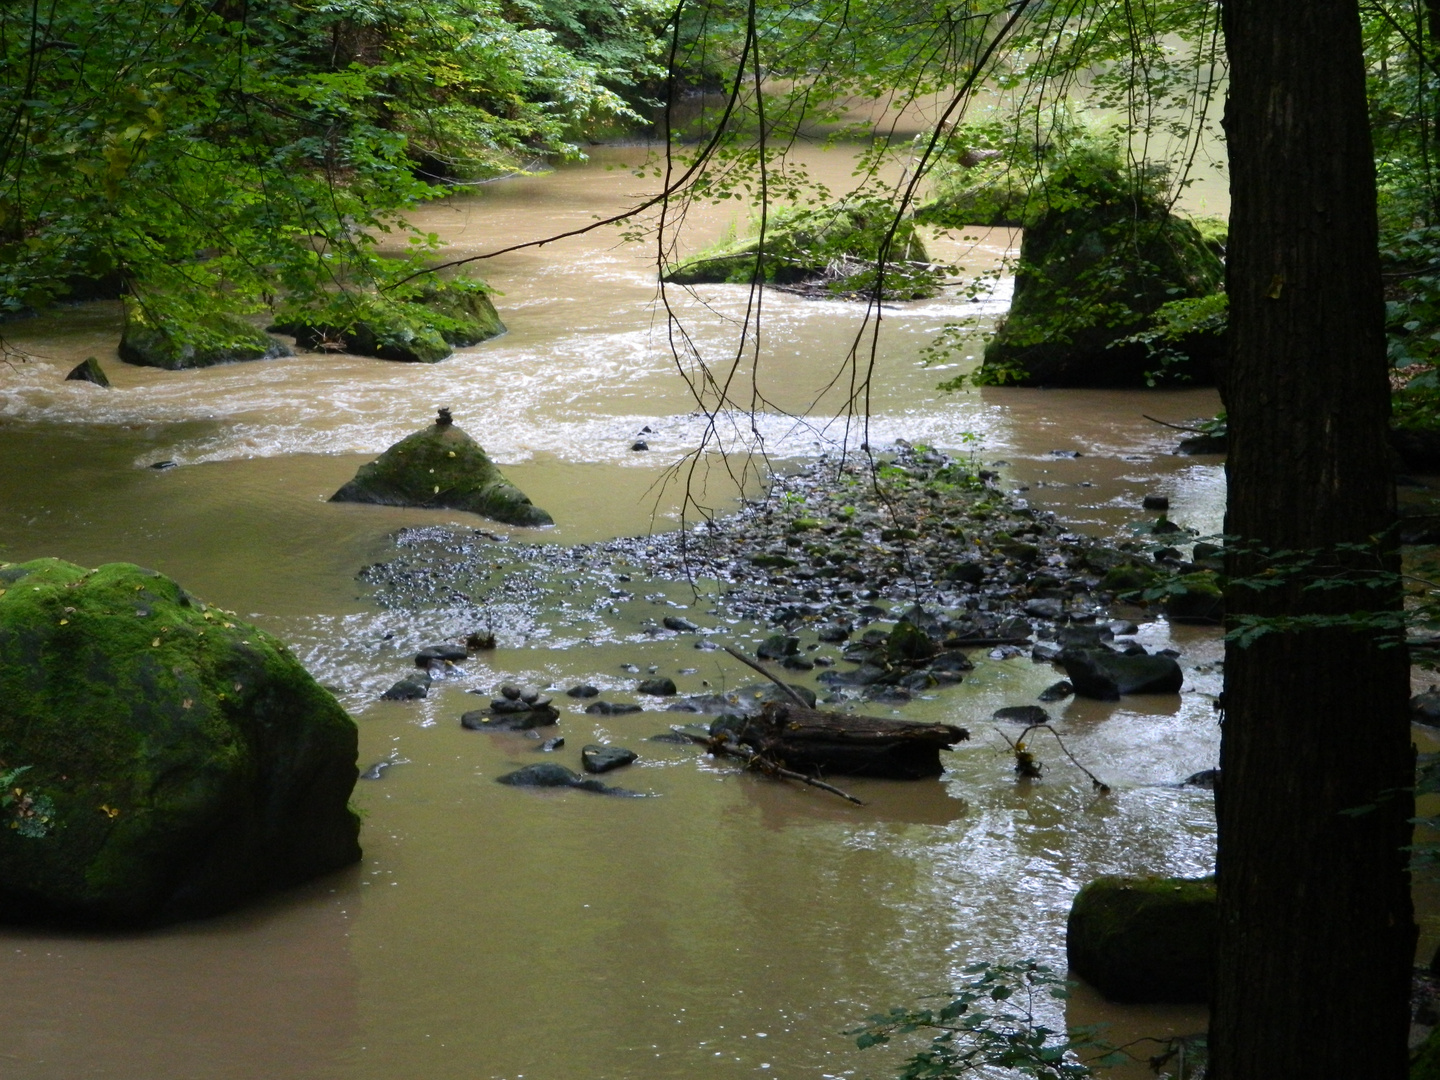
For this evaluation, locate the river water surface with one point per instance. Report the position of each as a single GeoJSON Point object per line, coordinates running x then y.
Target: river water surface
{"type": "Point", "coordinates": [728, 927]}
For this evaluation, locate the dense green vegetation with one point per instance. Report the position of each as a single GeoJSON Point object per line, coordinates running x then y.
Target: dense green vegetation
{"type": "Point", "coordinates": [223, 154]}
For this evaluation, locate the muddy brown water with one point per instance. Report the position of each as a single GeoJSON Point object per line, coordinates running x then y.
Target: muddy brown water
{"type": "Point", "coordinates": [729, 926]}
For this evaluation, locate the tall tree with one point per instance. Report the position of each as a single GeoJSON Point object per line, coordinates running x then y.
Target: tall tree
{"type": "Point", "coordinates": [1316, 927]}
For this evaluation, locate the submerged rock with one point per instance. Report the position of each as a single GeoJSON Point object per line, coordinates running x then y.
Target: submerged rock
{"type": "Point", "coordinates": [1143, 940]}
{"type": "Point", "coordinates": [89, 370]}
{"type": "Point", "coordinates": [172, 761]}
{"type": "Point", "coordinates": [599, 759]}
{"type": "Point", "coordinates": [442, 467]}
{"type": "Point", "coordinates": [218, 338]}
{"type": "Point", "coordinates": [1096, 263]}
{"type": "Point", "coordinates": [411, 688]}
{"type": "Point", "coordinates": [548, 775]}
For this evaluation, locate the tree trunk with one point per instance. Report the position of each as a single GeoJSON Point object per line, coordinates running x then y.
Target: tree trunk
{"type": "Point", "coordinates": [1316, 933]}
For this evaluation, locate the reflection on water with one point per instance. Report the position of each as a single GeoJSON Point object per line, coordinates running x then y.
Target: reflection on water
{"type": "Point", "coordinates": [727, 926]}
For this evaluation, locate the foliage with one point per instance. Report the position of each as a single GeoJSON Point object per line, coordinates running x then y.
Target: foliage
{"type": "Point", "coordinates": [991, 1022]}
{"type": "Point", "coordinates": [223, 154]}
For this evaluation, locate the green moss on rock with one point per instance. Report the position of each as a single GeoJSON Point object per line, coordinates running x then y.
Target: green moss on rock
{"type": "Point", "coordinates": [1195, 597]}
{"type": "Point", "coordinates": [187, 760]}
{"type": "Point", "coordinates": [217, 338]}
{"type": "Point", "coordinates": [1096, 264]}
{"type": "Point", "coordinates": [1144, 939]}
{"type": "Point", "coordinates": [444, 468]}
{"type": "Point", "coordinates": [423, 328]}
{"type": "Point", "coordinates": [838, 245]}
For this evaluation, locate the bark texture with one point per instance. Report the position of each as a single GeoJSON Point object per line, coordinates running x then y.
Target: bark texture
{"type": "Point", "coordinates": [1316, 931]}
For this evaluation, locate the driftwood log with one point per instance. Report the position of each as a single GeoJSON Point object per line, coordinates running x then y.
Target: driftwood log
{"type": "Point", "coordinates": [821, 742]}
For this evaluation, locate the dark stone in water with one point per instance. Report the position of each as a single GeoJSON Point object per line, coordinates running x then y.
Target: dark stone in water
{"type": "Point", "coordinates": [1044, 608]}
{"type": "Point", "coordinates": [777, 647]}
{"type": "Point", "coordinates": [675, 622]}
{"type": "Point", "coordinates": [411, 688]}
{"type": "Point", "coordinates": [1105, 675]}
{"type": "Point", "coordinates": [376, 771]}
{"type": "Point", "coordinates": [431, 653]}
{"type": "Point", "coordinates": [673, 738]}
{"type": "Point", "coordinates": [512, 719]}
{"type": "Point", "coordinates": [864, 675]}
{"type": "Point", "coordinates": [551, 745]}
{"type": "Point", "coordinates": [1205, 778]}
{"type": "Point", "coordinates": [1057, 691]}
{"type": "Point", "coordinates": [89, 370]}
{"type": "Point", "coordinates": [583, 690]}
{"type": "Point", "coordinates": [639, 444]}
{"type": "Point", "coordinates": [1022, 714]}
{"type": "Point", "coordinates": [833, 632]}
{"type": "Point", "coordinates": [1142, 940]}
{"type": "Point", "coordinates": [600, 759]}
{"type": "Point", "coordinates": [661, 687]}
{"type": "Point", "coordinates": [548, 775]}
{"type": "Point", "coordinates": [611, 708]}
{"type": "Point", "coordinates": [161, 466]}
{"type": "Point", "coordinates": [1425, 708]}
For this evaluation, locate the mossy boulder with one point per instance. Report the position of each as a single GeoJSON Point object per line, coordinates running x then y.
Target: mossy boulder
{"type": "Point", "coordinates": [160, 758]}
{"type": "Point", "coordinates": [424, 328]}
{"type": "Point", "coordinates": [444, 468]}
{"type": "Point", "coordinates": [216, 338]}
{"type": "Point", "coordinates": [1195, 598]}
{"type": "Point", "coordinates": [1096, 265]}
{"type": "Point", "coordinates": [1144, 939]}
{"type": "Point", "coordinates": [89, 370]}
{"type": "Point", "coordinates": [837, 246]}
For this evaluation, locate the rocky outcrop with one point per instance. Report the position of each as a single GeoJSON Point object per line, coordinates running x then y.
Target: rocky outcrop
{"type": "Point", "coordinates": [836, 246]}
{"type": "Point", "coordinates": [89, 370]}
{"type": "Point", "coordinates": [1096, 264]}
{"type": "Point", "coordinates": [1102, 673]}
{"type": "Point", "coordinates": [163, 760]}
{"type": "Point", "coordinates": [444, 316]}
{"type": "Point", "coordinates": [1143, 940]}
{"type": "Point", "coordinates": [217, 338]}
{"type": "Point", "coordinates": [443, 468]}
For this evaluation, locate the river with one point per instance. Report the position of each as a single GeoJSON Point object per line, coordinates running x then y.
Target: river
{"type": "Point", "coordinates": [730, 927]}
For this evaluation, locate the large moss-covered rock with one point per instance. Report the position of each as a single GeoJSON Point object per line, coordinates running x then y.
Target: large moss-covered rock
{"type": "Point", "coordinates": [1096, 265]}
{"type": "Point", "coordinates": [424, 329]}
{"type": "Point", "coordinates": [160, 758]}
{"type": "Point", "coordinates": [1147, 939]}
{"type": "Point", "coordinates": [444, 468]}
{"type": "Point", "coordinates": [836, 245]}
{"type": "Point", "coordinates": [217, 338]}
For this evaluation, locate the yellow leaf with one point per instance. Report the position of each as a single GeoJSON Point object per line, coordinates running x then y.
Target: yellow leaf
{"type": "Point", "coordinates": [155, 644]}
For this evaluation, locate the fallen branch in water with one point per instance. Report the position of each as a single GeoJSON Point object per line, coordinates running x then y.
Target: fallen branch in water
{"type": "Point", "coordinates": [1177, 427]}
{"type": "Point", "coordinates": [1027, 766]}
{"type": "Point", "coordinates": [786, 687]}
{"type": "Point", "coordinates": [724, 744]}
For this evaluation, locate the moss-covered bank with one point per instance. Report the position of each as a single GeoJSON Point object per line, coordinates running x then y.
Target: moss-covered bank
{"type": "Point", "coordinates": [162, 759]}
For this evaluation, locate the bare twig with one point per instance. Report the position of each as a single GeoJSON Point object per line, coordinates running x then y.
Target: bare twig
{"type": "Point", "coordinates": [789, 690]}
{"type": "Point", "coordinates": [760, 763]}
{"type": "Point", "coordinates": [1021, 755]}
{"type": "Point", "coordinates": [1177, 427]}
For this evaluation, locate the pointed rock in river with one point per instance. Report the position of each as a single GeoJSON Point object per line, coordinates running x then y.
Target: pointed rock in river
{"type": "Point", "coordinates": [444, 468]}
{"type": "Point", "coordinates": [89, 370]}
